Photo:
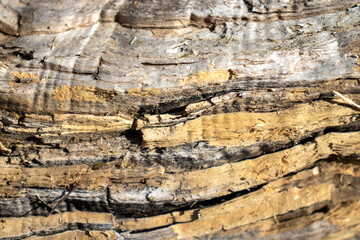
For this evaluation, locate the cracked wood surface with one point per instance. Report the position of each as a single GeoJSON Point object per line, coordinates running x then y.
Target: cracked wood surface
{"type": "Point", "coordinates": [188, 119]}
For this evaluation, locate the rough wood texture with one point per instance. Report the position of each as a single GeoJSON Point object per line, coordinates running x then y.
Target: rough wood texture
{"type": "Point", "coordinates": [179, 119]}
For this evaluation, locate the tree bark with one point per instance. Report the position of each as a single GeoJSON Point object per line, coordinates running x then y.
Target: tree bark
{"type": "Point", "coordinates": [162, 119]}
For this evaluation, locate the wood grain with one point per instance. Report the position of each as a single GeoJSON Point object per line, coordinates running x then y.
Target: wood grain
{"type": "Point", "coordinates": [125, 119]}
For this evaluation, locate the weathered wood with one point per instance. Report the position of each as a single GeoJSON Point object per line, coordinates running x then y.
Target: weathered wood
{"type": "Point", "coordinates": [179, 119]}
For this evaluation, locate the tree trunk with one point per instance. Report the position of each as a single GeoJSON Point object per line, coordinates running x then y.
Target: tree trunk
{"type": "Point", "coordinates": [185, 119]}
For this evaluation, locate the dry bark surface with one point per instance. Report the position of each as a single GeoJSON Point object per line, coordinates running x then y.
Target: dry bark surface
{"type": "Point", "coordinates": [196, 119]}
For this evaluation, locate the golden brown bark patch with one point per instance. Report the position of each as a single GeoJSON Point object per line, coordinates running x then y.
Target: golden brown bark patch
{"type": "Point", "coordinates": [82, 93]}
{"type": "Point", "coordinates": [207, 77]}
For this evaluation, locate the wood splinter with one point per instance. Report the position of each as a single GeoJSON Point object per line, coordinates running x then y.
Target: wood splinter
{"type": "Point", "coordinates": [347, 100]}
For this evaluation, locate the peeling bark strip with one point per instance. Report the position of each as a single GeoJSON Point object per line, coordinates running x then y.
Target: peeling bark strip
{"type": "Point", "coordinates": [125, 119]}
